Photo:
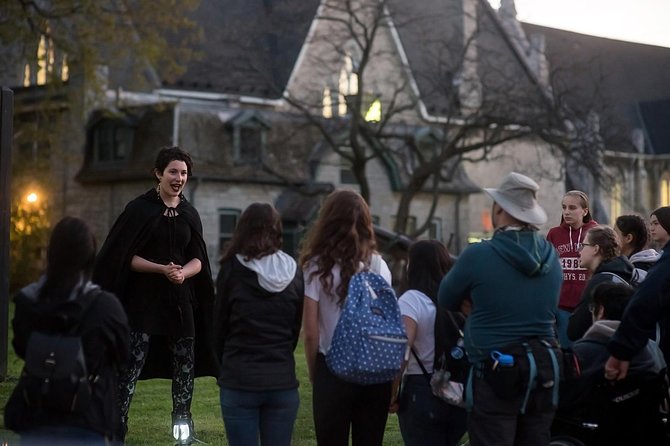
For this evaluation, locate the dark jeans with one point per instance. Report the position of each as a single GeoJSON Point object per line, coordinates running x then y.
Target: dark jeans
{"type": "Point", "coordinates": [498, 422]}
{"type": "Point", "coordinates": [340, 406]}
{"type": "Point", "coordinates": [269, 415]}
{"type": "Point", "coordinates": [426, 420]}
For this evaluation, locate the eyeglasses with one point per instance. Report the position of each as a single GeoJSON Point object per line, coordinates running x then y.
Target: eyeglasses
{"type": "Point", "coordinates": [580, 247]}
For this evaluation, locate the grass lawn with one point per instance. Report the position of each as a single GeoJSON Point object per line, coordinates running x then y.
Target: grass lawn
{"type": "Point", "coordinates": [150, 411]}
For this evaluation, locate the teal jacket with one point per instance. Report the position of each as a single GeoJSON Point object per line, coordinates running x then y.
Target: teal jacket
{"type": "Point", "coordinates": [514, 281]}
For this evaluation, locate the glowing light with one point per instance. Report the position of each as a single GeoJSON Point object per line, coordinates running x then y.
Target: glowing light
{"type": "Point", "coordinates": [374, 113]}
{"type": "Point", "coordinates": [31, 197]}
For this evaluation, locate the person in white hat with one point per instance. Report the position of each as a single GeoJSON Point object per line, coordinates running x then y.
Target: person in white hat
{"type": "Point", "coordinates": [510, 286]}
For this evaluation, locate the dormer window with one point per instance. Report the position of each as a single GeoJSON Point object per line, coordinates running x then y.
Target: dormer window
{"type": "Point", "coordinates": [249, 132]}
{"type": "Point", "coordinates": [111, 140]}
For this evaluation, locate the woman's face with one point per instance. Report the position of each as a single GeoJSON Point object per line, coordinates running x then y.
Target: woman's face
{"type": "Point", "coordinates": [589, 255]}
{"type": "Point", "coordinates": [173, 179]}
{"type": "Point", "coordinates": [573, 212]}
{"type": "Point", "coordinates": [658, 234]}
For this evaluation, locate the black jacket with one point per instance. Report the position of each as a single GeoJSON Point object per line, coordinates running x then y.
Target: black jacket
{"type": "Point", "coordinates": [592, 353]}
{"type": "Point", "coordinates": [105, 340]}
{"type": "Point", "coordinates": [256, 330]}
{"type": "Point", "coordinates": [112, 272]}
{"type": "Point", "coordinates": [649, 305]}
{"type": "Point", "coordinates": [581, 318]}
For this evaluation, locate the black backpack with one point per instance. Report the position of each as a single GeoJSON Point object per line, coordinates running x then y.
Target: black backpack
{"type": "Point", "coordinates": [55, 377]}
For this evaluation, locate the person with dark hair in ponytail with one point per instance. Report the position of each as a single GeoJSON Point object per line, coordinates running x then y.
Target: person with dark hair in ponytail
{"type": "Point", "coordinates": [424, 419]}
{"type": "Point", "coordinates": [66, 293]}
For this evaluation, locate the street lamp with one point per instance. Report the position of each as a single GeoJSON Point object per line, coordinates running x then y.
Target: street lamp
{"type": "Point", "coordinates": [31, 197]}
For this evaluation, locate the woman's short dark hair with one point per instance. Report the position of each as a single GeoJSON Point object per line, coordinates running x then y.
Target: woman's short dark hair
{"type": "Point", "coordinates": [637, 227]}
{"type": "Point", "coordinates": [612, 298]}
{"type": "Point", "coordinates": [258, 233]}
{"type": "Point", "coordinates": [429, 261]}
{"type": "Point", "coordinates": [168, 154]}
{"type": "Point", "coordinates": [70, 256]}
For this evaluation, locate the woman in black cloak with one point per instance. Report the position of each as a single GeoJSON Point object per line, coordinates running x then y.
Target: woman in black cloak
{"type": "Point", "coordinates": [155, 261]}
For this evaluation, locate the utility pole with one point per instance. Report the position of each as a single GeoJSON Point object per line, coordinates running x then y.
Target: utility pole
{"type": "Point", "coordinates": [6, 136]}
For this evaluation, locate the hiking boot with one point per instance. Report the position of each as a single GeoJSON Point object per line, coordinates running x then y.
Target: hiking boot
{"type": "Point", "coordinates": [182, 428]}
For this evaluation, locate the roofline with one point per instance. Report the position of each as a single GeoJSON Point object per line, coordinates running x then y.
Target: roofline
{"type": "Point", "coordinates": [303, 49]}
{"type": "Point", "coordinates": [636, 155]}
{"type": "Point", "coordinates": [205, 96]}
{"type": "Point", "coordinates": [412, 81]}
{"type": "Point", "coordinates": [514, 47]}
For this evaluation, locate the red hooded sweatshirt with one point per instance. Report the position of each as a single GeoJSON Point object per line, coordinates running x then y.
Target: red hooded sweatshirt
{"type": "Point", "coordinates": [567, 241]}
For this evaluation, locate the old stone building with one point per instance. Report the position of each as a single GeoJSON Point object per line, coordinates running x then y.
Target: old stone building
{"type": "Point", "coordinates": [286, 95]}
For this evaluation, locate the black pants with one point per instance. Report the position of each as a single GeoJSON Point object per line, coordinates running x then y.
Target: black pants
{"type": "Point", "coordinates": [340, 407]}
{"type": "Point", "coordinates": [182, 374]}
{"type": "Point", "coordinates": [498, 422]}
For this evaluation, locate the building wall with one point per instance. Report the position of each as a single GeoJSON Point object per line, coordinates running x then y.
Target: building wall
{"type": "Point", "coordinates": [529, 157]}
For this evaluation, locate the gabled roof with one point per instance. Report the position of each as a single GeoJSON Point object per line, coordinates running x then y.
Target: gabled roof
{"type": "Point", "coordinates": [612, 77]}
{"type": "Point", "coordinates": [249, 47]}
{"type": "Point", "coordinates": [432, 36]}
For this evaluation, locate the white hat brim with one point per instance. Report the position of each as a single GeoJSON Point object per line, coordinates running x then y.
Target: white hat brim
{"type": "Point", "coordinates": [534, 215]}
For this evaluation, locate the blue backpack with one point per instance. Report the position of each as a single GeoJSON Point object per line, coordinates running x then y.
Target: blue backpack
{"type": "Point", "coordinates": [369, 341]}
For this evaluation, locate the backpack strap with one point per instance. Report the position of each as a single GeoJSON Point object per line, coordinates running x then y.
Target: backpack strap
{"type": "Point", "coordinates": [423, 368]}
{"type": "Point", "coordinates": [376, 263]}
{"type": "Point", "coordinates": [87, 301]}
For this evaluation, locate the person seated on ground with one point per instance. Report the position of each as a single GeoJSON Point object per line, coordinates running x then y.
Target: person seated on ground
{"type": "Point", "coordinates": [609, 302]}
{"type": "Point", "coordinates": [599, 253]}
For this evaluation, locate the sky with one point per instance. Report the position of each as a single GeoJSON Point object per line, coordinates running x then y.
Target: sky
{"type": "Point", "coordinates": [642, 21]}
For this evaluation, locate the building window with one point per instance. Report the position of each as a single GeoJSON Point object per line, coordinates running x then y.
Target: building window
{"type": "Point", "coordinates": [410, 227]}
{"type": "Point", "coordinates": [616, 200]}
{"type": "Point", "coordinates": [665, 190]}
{"type": "Point", "coordinates": [374, 113]}
{"type": "Point", "coordinates": [227, 223]}
{"type": "Point", "coordinates": [49, 64]}
{"type": "Point", "coordinates": [291, 236]}
{"type": "Point", "coordinates": [348, 83]}
{"type": "Point", "coordinates": [435, 229]}
{"type": "Point", "coordinates": [249, 137]}
{"type": "Point", "coordinates": [346, 172]}
{"type": "Point", "coordinates": [327, 104]}
{"type": "Point", "coordinates": [112, 140]}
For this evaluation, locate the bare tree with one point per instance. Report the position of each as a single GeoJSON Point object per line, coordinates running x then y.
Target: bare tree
{"type": "Point", "coordinates": [482, 94]}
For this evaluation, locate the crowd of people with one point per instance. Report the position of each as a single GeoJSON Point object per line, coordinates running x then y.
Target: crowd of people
{"type": "Point", "coordinates": [594, 294]}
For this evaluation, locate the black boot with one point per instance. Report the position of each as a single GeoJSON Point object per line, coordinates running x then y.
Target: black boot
{"type": "Point", "coordinates": [182, 428]}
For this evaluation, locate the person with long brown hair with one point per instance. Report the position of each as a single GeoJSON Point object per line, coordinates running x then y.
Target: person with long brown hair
{"type": "Point", "coordinates": [258, 314]}
{"type": "Point", "coordinates": [340, 243]}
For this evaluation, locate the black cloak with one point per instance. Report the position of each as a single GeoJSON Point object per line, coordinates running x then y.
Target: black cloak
{"type": "Point", "coordinates": [112, 272]}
